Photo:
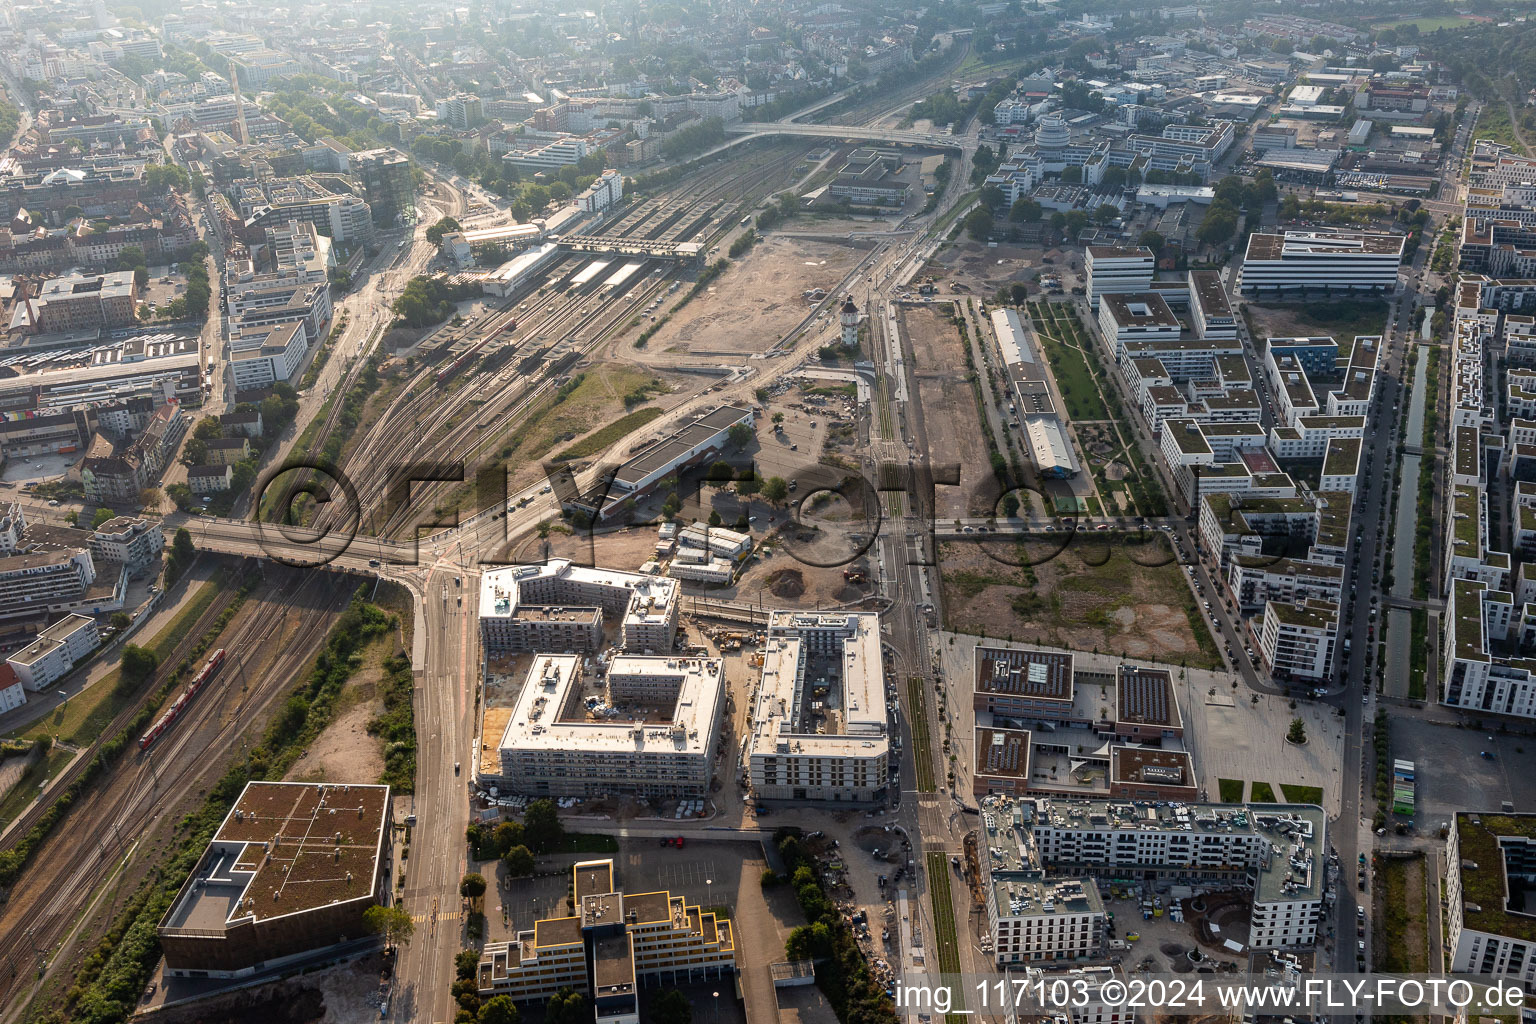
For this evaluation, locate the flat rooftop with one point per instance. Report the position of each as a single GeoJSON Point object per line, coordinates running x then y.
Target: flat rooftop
{"type": "Point", "coordinates": [1002, 754]}
{"type": "Point", "coordinates": [1144, 696]}
{"type": "Point", "coordinates": [676, 446]}
{"type": "Point", "coordinates": [561, 707]}
{"type": "Point", "coordinates": [1139, 309]}
{"type": "Point", "coordinates": [285, 848]}
{"type": "Point", "coordinates": [836, 653]}
{"type": "Point", "coordinates": [1301, 244]}
{"type": "Point", "coordinates": [1038, 675]}
{"type": "Point", "coordinates": [1294, 870]}
{"type": "Point", "coordinates": [1148, 766]}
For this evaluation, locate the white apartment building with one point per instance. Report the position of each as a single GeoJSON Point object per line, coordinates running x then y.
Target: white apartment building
{"type": "Point", "coordinates": [45, 578]}
{"type": "Point", "coordinates": [819, 720]}
{"type": "Point", "coordinates": [1297, 640]}
{"type": "Point", "coordinates": [1041, 920]}
{"type": "Point", "coordinates": [606, 191]}
{"type": "Point", "coordinates": [647, 728]}
{"type": "Point", "coordinates": [12, 694]}
{"type": "Point", "coordinates": [1490, 857]}
{"type": "Point", "coordinates": [1278, 850]}
{"type": "Point", "coordinates": [1330, 261]}
{"type": "Point", "coordinates": [1118, 268]}
{"type": "Point", "coordinates": [129, 541]}
{"type": "Point", "coordinates": [557, 605]}
{"type": "Point", "coordinates": [55, 652]}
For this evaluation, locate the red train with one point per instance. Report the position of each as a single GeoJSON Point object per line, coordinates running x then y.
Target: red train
{"type": "Point", "coordinates": [165, 721]}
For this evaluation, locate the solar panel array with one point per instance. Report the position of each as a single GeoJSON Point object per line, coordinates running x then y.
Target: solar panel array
{"type": "Point", "coordinates": [1145, 695]}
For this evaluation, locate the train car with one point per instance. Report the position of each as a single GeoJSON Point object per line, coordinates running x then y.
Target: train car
{"type": "Point", "coordinates": [204, 676]}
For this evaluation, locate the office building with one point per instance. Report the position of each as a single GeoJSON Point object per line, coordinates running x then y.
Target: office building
{"type": "Point", "coordinates": [647, 727]}
{"type": "Point", "coordinates": [387, 184]}
{"type": "Point", "coordinates": [289, 873]}
{"type": "Point", "coordinates": [1132, 317]}
{"type": "Point", "coordinates": [1211, 311]}
{"type": "Point", "coordinates": [1115, 268]}
{"type": "Point", "coordinates": [613, 943]}
{"type": "Point", "coordinates": [558, 606]}
{"type": "Point", "coordinates": [1330, 261]}
{"type": "Point", "coordinates": [819, 726]}
{"type": "Point", "coordinates": [262, 355]}
{"type": "Point", "coordinates": [55, 652]}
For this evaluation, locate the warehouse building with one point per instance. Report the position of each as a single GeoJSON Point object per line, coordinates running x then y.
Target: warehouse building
{"type": "Point", "coordinates": [695, 443]}
{"type": "Point", "coordinates": [290, 872]}
{"type": "Point", "coordinates": [1050, 448]}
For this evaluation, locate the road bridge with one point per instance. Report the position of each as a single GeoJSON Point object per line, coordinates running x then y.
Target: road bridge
{"type": "Point", "coordinates": [844, 133]}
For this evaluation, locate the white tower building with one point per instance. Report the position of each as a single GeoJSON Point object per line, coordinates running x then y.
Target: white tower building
{"type": "Point", "coordinates": [850, 319]}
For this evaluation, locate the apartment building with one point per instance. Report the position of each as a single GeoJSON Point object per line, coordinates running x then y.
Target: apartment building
{"type": "Point", "coordinates": [1297, 639]}
{"type": "Point", "coordinates": [1329, 261]}
{"type": "Point", "coordinates": [1490, 859]}
{"type": "Point", "coordinates": [1278, 851]}
{"type": "Point", "coordinates": [559, 606]}
{"type": "Point", "coordinates": [128, 541]}
{"type": "Point", "coordinates": [648, 727]}
{"type": "Point", "coordinates": [45, 577]}
{"type": "Point", "coordinates": [613, 943]}
{"type": "Point", "coordinates": [81, 301]}
{"type": "Point", "coordinates": [55, 652]}
{"type": "Point", "coordinates": [1041, 920]}
{"type": "Point", "coordinates": [820, 727]}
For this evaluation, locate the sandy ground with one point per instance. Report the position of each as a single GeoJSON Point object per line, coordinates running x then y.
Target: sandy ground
{"type": "Point", "coordinates": [345, 752]}
{"type": "Point", "coordinates": [949, 403]}
{"type": "Point", "coordinates": [982, 269]}
{"type": "Point", "coordinates": [1090, 596]}
{"type": "Point", "coordinates": [751, 306]}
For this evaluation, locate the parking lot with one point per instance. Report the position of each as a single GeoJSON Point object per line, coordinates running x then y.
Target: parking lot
{"type": "Point", "coordinates": [1463, 779]}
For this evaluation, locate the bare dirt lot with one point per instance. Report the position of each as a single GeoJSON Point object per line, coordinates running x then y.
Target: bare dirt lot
{"type": "Point", "coordinates": [949, 403]}
{"type": "Point", "coordinates": [751, 306]}
{"type": "Point", "coordinates": [1094, 594]}
{"type": "Point", "coordinates": [345, 752]}
{"type": "Point", "coordinates": [982, 270]}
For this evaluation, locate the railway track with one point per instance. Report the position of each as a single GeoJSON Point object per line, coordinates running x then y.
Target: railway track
{"type": "Point", "coordinates": [120, 721]}
{"type": "Point", "coordinates": [585, 317]}
{"type": "Point", "coordinates": [51, 905]}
